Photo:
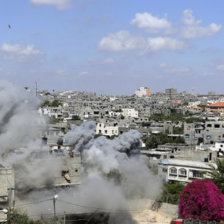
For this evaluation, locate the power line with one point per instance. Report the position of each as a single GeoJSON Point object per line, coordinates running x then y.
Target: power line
{"type": "Point", "coordinates": [103, 209]}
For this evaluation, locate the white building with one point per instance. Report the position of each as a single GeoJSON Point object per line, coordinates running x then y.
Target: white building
{"type": "Point", "coordinates": [126, 112]}
{"type": "Point", "coordinates": [143, 91]}
{"type": "Point", "coordinates": [106, 129]}
{"type": "Point", "coordinates": [218, 147]}
{"type": "Point", "coordinates": [184, 171]}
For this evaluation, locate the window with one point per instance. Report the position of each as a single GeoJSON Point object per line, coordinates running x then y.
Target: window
{"type": "Point", "coordinates": [173, 171]}
{"type": "Point", "coordinates": [196, 174]}
{"type": "Point", "coordinates": [182, 172]}
{"type": "Point", "coordinates": [105, 131]}
{"type": "Point", "coordinates": [164, 169]}
{"type": "Point", "coordinates": [209, 125]}
{"type": "Point", "coordinates": [217, 125]}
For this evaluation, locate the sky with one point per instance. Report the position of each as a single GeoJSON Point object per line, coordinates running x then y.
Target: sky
{"type": "Point", "coordinates": [113, 46]}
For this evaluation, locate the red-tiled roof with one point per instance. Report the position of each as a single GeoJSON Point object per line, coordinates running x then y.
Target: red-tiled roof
{"type": "Point", "coordinates": [218, 104]}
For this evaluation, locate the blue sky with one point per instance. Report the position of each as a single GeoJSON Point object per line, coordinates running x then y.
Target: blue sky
{"type": "Point", "coordinates": [113, 46]}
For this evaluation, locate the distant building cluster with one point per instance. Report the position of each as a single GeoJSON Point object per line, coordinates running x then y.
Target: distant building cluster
{"type": "Point", "coordinates": [192, 126]}
{"type": "Point", "coordinates": [143, 91]}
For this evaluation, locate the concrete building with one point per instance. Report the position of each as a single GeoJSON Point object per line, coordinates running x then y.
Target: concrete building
{"type": "Point", "coordinates": [70, 172]}
{"type": "Point", "coordinates": [183, 171]}
{"type": "Point", "coordinates": [194, 133]}
{"type": "Point", "coordinates": [107, 129]}
{"type": "Point", "coordinates": [129, 112]}
{"type": "Point", "coordinates": [214, 132]}
{"type": "Point", "coordinates": [143, 91]}
{"type": "Point", "coordinates": [171, 92]}
{"type": "Point", "coordinates": [7, 191]}
{"type": "Point", "coordinates": [215, 107]}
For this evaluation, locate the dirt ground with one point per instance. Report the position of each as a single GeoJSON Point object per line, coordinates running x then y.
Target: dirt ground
{"type": "Point", "coordinates": [148, 217]}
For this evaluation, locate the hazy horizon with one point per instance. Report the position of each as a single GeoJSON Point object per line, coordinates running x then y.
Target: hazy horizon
{"type": "Point", "coordinates": [113, 47]}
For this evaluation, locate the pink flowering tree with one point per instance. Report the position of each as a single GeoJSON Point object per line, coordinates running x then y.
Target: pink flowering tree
{"type": "Point", "coordinates": [202, 200]}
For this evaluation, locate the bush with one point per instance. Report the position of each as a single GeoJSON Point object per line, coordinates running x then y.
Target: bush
{"type": "Point", "coordinates": [202, 200]}
{"type": "Point", "coordinates": [171, 193]}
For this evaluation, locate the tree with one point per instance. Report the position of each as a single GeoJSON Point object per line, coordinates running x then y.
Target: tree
{"type": "Point", "coordinates": [217, 174]}
{"type": "Point", "coordinates": [55, 103]}
{"type": "Point", "coordinates": [47, 103]}
{"type": "Point", "coordinates": [171, 193]}
{"type": "Point", "coordinates": [75, 118]}
{"type": "Point", "coordinates": [154, 140]}
{"type": "Point", "coordinates": [202, 200]}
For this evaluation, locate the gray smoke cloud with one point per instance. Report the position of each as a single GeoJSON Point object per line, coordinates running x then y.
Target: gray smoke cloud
{"type": "Point", "coordinates": [19, 123]}
{"type": "Point", "coordinates": [21, 128]}
{"type": "Point", "coordinates": [114, 173]}
{"type": "Point", "coordinates": [80, 136]}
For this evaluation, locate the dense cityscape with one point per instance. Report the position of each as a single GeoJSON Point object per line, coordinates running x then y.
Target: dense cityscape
{"type": "Point", "coordinates": [144, 149]}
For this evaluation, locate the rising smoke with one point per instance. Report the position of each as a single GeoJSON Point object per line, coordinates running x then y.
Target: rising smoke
{"type": "Point", "coordinates": [114, 174]}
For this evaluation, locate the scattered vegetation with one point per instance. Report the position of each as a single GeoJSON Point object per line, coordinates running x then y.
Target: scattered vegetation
{"type": "Point", "coordinates": [154, 140]}
{"type": "Point", "coordinates": [47, 103]}
{"type": "Point", "coordinates": [75, 118]}
{"type": "Point", "coordinates": [217, 174]}
{"type": "Point", "coordinates": [171, 193]}
{"type": "Point", "coordinates": [178, 130]}
{"type": "Point", "coordinates": [14, 217]}
{"type": "Point", "coordinates": [54, 120]}
{"type": "Point", "coordinates": [174, 116]}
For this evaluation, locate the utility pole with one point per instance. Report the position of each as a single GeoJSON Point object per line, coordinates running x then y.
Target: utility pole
{"type": "Point", "coordinates": [54, 205]}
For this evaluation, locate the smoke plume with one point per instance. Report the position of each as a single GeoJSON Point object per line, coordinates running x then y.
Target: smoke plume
{"type": "Point", "coordinates": [114, 173]}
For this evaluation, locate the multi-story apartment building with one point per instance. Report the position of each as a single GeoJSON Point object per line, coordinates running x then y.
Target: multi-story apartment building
{"type": "Point", "coordinates": [129, 112]}
{"type": "Point", "coordinates": [107, 129]}
{"type": "Point", "coordinates": [143, 91]}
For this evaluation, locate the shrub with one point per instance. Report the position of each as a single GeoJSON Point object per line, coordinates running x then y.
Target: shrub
{"type": "Point", "coordinates": [202, 200]}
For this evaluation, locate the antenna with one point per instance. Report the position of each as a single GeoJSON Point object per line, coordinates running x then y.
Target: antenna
{"type": "Point", "coordinates": [36, 88]}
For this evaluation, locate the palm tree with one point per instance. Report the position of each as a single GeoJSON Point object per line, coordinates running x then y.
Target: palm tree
{"type": "Point", "coordinates": [217, 174]}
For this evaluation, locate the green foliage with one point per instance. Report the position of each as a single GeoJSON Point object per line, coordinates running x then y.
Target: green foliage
{"type": "Point", "coordinates": [176, 117]}
{"type": "Point", "coordinates": [193, 119]}
{"type": "Point", "coordinates": [178, 130]}
{"type": "Point", "coordinates": [217, 174]}
{"type": "Point", "coordinates": [98, 135]}
{"type": "Point", "coordinates": [146, 124]}
{"type": "Point", "coordinates": [111, 137]}
{"type": "Point", "coordinates": [154, 140]}
{"type": "Point", "coordinates": [54, 120]}
{"type": "Point", "coordinates": [178, 140]}
{"type": "Point", "coordinates": [75, 118]}
{"type": "Point", "coordinates": [171, 193]}
{"type": "Point", "coordinates": [55, 103]}
{"type": "Point", "coordinates": [47, 103]}
{"type": "Point", "coordinates": [14, 217]}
